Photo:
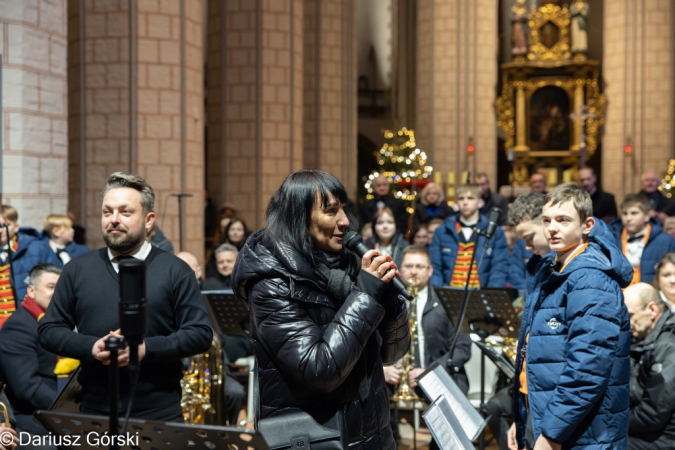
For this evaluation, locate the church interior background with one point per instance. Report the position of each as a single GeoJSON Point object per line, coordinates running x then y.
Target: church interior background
{"type": "Point", "coordinates": [230, 96]}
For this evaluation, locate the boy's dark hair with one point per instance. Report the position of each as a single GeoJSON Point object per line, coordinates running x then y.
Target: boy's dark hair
{"type": "Point", "coordinates": [290, 210]}
{"type": "Point", "coordinates": [526, 207]}
{"type": "Point", "coordinates": [576, 194]}
{"type": "Point", "coordinates": [638, 200]}
{"type": "Point", "coordinates": [37, 271]}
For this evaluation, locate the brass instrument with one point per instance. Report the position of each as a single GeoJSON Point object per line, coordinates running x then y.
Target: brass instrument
{"type": "Point", "coordinates": [510, 349]}
{"type": "Point", "coordinates": [405, 392]}
{"type": "Point", "coordinates": [202, 384]}
{"type": "Point", "coordinates": [5, 414]}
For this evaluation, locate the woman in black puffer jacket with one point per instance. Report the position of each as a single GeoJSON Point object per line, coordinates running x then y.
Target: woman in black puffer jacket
{"type": "Point", "coordinates": [323, 321]}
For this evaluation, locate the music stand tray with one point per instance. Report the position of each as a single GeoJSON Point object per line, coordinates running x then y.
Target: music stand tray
{"type": "Point", "coordinates": [146, 434]}
{"type": "Point", "coordinates": [228, 314]}
{"type": "Point", "coordinates": [498, 358]}
{"type": "Point", "coordinates": [489, 311]}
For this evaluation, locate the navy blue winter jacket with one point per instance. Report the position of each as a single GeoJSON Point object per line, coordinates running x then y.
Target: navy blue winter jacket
{"type": "Point", "coordinates": [578, 353]}
{"type": "Point", "coordinates": [518, 259]}
{"type": "Point", "coordinates": [443, 252]}
{"type": "Point", "coordinates": [30, 253]}
{"type": "Point", "coordinates": [658, 244]}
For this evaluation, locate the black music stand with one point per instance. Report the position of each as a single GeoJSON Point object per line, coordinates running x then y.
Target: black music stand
{"type": "Point", "coordinates": [150, 435]}
{"type": "Point", "coordinates": [228, 315]}
{"type": "Point", "coordinates": [489, 312]}
{"type": "Point", "coordinates": [68, 400]}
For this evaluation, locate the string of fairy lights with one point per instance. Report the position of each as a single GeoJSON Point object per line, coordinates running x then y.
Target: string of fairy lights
{"type": "Point", "coordinates": [668, 183]}
{"type": "Point", "coordinates": [402, 163]}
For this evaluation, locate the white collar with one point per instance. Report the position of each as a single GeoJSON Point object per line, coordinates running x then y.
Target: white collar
{"type": "Point", "coordinates": [142, 253]}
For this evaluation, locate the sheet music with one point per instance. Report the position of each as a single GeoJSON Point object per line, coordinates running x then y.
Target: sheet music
{"type": "Point", "coordinates": [436, 383]}
{"type": "Point", "coordinates": [445, 428]}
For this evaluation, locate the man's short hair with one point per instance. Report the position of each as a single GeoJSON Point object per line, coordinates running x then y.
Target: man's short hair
{"type": "Point", "coordinates": [526, 207]}
{"type": "Point", "coordinates": [126, 180]}
{"type": "Point", "coordinates": [416, 250]}
{"type": "Point", "coordinates": [226, 248]}
{"type": "Point", "coordinates": [648, 293]}
{"type": "Point", "coordinates": [480, 175]}
{"type": "Point", "coordinates": [37, 271]}
{"type": "Point", "coordinates": [470, 188]}
{"type": "Point", "coordinates": [9, 213]}
{"type": "Point", "coordinates": [54, 221]}
{"type": "Point", "coordinates": [435, 220]}
{"type": "Point", "coordinates": [638, 200]}
{"type": "Point", "coordinates": [572, 192]}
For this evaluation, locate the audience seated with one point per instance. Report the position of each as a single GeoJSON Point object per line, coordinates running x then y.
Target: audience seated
{"type": "Point", "coordinates": [383, 199]}
{"type": "Point", "coordinates": [491, 199]}
{"type": "Point", "coordinates": [235, 234]}
{"type": "Point", "coordinates": [661, 206]}
{"type": "Point", "coordinates": [664, 280]}
{"type": "Point", "coordinates": [420, 235]}
{"type": "Point", "coordinates": [60, 238]}
{"type": "Point", "coordinates": [652, 393]}
{"type": "Point", "coordinates": [430, 204]}
{"type": "Point", "coordinates": [386, 237]}
{"type": "Point", "coordinates": [604, 205]}
{"type": "Point", "coordinates": [225, 256]}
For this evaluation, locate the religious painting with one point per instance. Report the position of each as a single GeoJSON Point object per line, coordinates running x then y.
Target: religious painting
{"type": "Point", "coordinates": [549, 34]}
{"type": "Point", "coordinates": [549, 119]}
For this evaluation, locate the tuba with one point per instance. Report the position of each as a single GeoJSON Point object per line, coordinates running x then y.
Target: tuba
{"type": "Point", "coordinates": [202, 385]}
{"type": "Point", "coordinates": [405, 392]}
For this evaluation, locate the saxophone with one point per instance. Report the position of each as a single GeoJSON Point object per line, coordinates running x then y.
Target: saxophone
{"type": "Point", "coordinates": [5, 415]}
{"type": "Point", "coordinates": [405, 392]}
{"type": "Point", "coordinates": [202, 386]}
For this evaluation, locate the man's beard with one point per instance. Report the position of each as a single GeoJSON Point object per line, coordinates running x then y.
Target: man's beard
{"type": "Point", "coordinates": [124, 242]}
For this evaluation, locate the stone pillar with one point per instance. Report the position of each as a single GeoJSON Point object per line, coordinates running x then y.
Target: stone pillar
{"type": "Point", "coordinates": [330, 125]}
{"type": "Point", "coordinates": [34, 125]}
{"type": "Point", "coordinates": [639, 75]}
{"type": "Point", "coordinates": [456, 80]}
{"type": "Point", "coordinates": [136, 105]}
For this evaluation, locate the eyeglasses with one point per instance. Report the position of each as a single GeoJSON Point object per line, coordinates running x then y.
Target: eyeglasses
{"type": "Point", "coordinates": [411, 267]}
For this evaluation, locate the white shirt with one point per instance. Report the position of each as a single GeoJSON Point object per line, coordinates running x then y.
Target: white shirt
{"type": "Point", "coordinates": [421, 303]}
{"type": "Point", "coordinates": [634, 251]}
{"type": "Point", "coordinates": [141, 254]}
{"type": "Point", "coordinates": [63, 256]}
{"type": "Point", "coordinates": [668, 303]}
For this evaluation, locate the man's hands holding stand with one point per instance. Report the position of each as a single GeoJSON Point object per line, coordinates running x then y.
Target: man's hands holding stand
{"type": "Point", "coordinates": [100, 353]}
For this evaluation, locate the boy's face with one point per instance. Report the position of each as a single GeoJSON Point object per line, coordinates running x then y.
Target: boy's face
{"type": "Point", "coordinates": [64, 235]}
{"type": "Point", "coordinates": [468, 204]}
{"type": "Point", "coordinates": [532, 232]}
{"type": "Point", "coordinates": [13, 229]}
{"type": "Point", "coordinates": [633, 219]}
{"type": "Point", "coordinates": [563, 228]}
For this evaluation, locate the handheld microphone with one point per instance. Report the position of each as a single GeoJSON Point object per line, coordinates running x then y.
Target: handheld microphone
{"type": "Point", "coordinates": [353, 242]}
{"type": "Point", "coordinates": [492, 223]}
{"type": "Point", "coordinates": [133, 306]}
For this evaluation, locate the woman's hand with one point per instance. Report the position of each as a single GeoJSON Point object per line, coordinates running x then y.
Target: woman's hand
{"type": "Point", "coordinates": [377, 265]}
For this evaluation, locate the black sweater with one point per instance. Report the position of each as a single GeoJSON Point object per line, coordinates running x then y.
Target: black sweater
{"type": "Point", "coordinates": [86, 297]}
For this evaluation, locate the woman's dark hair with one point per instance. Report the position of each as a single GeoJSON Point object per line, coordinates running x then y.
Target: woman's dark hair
{"type": "Point", "coordinates": [226, 233]}
{"type": "Point", "coordinates": [289, 213]}
{"type": "Point", "coordinates": [667, 258]}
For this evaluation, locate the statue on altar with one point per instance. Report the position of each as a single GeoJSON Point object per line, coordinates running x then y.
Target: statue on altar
{"type": "Point", "coordinates": [579, 26]}
{"type": "Point", "coordinates": [519, 24]}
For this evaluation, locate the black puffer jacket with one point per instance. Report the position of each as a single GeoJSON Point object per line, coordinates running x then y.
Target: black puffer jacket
{"type": "Point", "coordinates": [652, 390]}
{"type": "Point", "coordinates": [314, 354]}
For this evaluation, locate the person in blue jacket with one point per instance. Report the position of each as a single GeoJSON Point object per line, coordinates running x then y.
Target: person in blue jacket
{"type": "Point", "coordinates": [571, 388]}
{"type": "Point", "coordinates": [519, 255]}
{"type": "Point", "coordinates": [640, 238]}
{"type": "Point", "coordinates": [452, 244]}
{"type": "Point", "coordinates": [59, 236]}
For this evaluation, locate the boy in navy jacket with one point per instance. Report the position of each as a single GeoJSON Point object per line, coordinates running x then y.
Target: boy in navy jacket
{"type": "Point", "coordinates": [571, 388]}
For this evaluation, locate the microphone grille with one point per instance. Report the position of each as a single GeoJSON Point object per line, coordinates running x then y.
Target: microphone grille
{"type": "Point", "coordinates": [352, 239]}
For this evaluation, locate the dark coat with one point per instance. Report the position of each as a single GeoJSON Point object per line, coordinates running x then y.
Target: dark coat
{"type": "Point", "coordinates": [27, 368]}
{"type": "Point", "coordinates": [443, 253]}
{"type": "Point", "coordinates": [315, 353]}
{"type": "Point", "coordinates": [31, 252]}
{"type": "Point", "coordinates": [652, 396]}
{"type": "Point", "coordinates": [518, 259]}
{"type": "Point", "coordinates": [397, 246]}
{"type": "Point", "coordinates": [604, 205]}
{"type": "Point", "coordinates": [494, 200]}
{"type": "Point", "coordinates": [438, 330]}
{"type": "Point", "coordinates": [660, 203]}
{"type": "Point", "coordinates": [578, 363]}
{"type": "Point", "coordinates": [369, 208]}
{"type": "Point", "coordinates": [422, 215]}
{"type": "Point", "coordinates": [658, 244]}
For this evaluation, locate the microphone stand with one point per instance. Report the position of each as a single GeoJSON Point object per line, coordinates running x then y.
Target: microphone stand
{"type": "Point", "coordinates": [114, 344]}
{"type": "Point", "coordinates": [462, 314]}
{"type": "Point", "coordinates": [180, 217]}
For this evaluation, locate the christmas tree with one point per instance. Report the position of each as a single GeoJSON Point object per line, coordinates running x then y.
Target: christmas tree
{"type": "Point", "coordinates": [404, 165]}
{"type": "Point", "coordinates": [667, 187]}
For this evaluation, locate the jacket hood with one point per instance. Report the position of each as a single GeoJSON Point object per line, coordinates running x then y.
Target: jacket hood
{"type": "Point", "coordinates": [264, 258]}
{"type": "Point", "coordinates": [602, 254]}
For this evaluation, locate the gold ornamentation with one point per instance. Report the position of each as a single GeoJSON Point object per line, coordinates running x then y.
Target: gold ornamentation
{"type": "Point", "coordinates": [549, 34]}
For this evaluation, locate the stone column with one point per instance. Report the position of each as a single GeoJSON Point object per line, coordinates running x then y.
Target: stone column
{"type": "Point", "coordinates": [639, 75]}
{"type": "Point", "coordinates": [136, 77]}
{"type": "Point", "coordinates": [456, 80]}
{"type": "Point", "coordinates": [34, 125]}
{"type": "Point", "coordinates": [330, 125]}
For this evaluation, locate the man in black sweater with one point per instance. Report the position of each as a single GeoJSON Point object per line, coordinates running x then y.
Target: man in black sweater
{"type": "Point", "coordinates": [87, 296]}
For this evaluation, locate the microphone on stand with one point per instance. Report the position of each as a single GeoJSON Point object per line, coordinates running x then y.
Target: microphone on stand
{"type": "Point", "coordinates": [133, 306]}
{"type": "Point", "coordinates": [354, 242]}
{"type": "Point", "coordinates": [492, 223]}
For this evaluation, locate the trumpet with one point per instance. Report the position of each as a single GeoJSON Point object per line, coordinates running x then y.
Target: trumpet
{"type": "Point", "coordinates": [405, 392]}
{"type": "Point", "coordinates": [5, 414]}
